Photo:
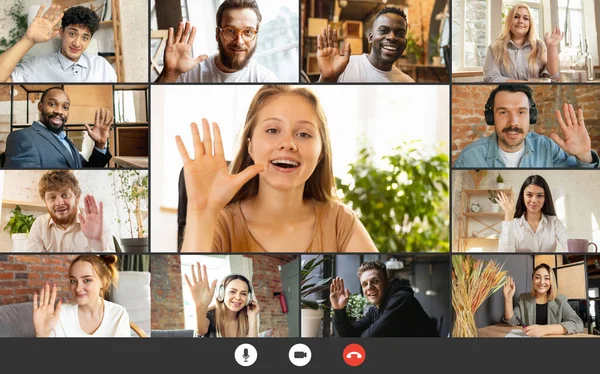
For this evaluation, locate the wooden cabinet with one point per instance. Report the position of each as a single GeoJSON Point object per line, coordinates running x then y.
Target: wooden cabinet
{"type": "Point", "coordinates": [479, 228]}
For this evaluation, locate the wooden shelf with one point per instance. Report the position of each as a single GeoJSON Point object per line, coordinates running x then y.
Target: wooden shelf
{"type": "Point", "coordinates": [484, 214]}
{"type": "Point", "coordinates": [25, 205]}
{"type": "Point", "coordinates": [484, 191]}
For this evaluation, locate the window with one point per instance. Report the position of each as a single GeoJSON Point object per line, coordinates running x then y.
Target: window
{"type": "Point", "coordinates": [470, 37]}
{"type": "Point", "coordinates": [571, 21]}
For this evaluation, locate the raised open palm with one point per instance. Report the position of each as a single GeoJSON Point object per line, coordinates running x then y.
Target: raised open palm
{"type": "Point", "coordinates": [92, 222]}
{"type": "Point", "coordinates": [554, 38]}
{"type": "Point", "coordinates": [338, 295]}
{"type": "Point", "coordinates": [43, 27]}
{"type": "Point", "coordinates": [576, 140]}
{"type": "Point", "coordinates": [45, 314]}
{"type": "Point", "coordinates": [332, 62]}
{"type": "Point", "coordinates": [178, 57]}
{"type": "Point", "coordinates": [509, 288]}
{"type": "Point", "coordinates": [507, 204]}
{"type": "Point", "coordinates": [202, 291]}
{"type": "Point", "coordinates": [103, 122]}
{"type": "Point", "coordinates": [208, 183]}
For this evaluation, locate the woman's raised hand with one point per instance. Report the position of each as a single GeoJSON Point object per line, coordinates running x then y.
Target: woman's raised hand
{"type": "Point", "coordinates": [508, 206]}
{"type": "Point", "coordinates": [207, 180]}
{"type": "Point", "coordinates": [202, 291]}
{"type": "Point", "coordinates": [253, 308]}
{"type": "Point", "coordinates": [509, 288]}
{"type": "Point", "coordinates": [45, 313]}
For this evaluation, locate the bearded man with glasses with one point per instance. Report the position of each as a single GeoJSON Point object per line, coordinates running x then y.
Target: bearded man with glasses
{"type": "Point", "coordinates": [238, 22]}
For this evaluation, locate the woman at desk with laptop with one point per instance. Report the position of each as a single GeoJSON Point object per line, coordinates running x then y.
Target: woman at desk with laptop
{"type": "Point", "coordinates": [543, 311]}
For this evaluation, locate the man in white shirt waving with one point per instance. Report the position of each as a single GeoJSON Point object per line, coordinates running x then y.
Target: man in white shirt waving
{"type": "Point", "coordinates": [238, 22]}
{"type": "Point", "coordinates": [65, 228]}
{"type": "Point", "coordinates": [388, 40]}
{"type": "Point", "coordinates": [69, 64]}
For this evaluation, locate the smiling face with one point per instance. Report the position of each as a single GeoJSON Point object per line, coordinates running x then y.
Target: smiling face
{"type": "Point", "coordinates": [286, 139]}
{"type": "Point", "coordinates": [520, 22]}
{"type": "Point", "coordinates": [511, 119]}
{"type": "Point", "coordinates": [236, 295]}
{"type": "Point", "coordinates": [62, 206]}
{"type": "Point", "coordinates": [75, 40]}
{"type": "Point", "coordinates": [533, 197]}
{"type": "Point", "coordinates": [542, 281]}
{"type": "Point", "coordinates": [236, 53]}
{"type": "Point", "coordinates": [373, 286]}
{"type": "Point", "coordinates": [388, 38]}
{"type": "Point", "coordinates": [54, 110]}
{"type": "Point", "coordinates": [84, 283]}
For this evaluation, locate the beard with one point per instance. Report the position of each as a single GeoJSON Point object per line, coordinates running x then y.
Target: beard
{"type": "Point", "coordinates": [57, 129]}
{"type": "Point", "coordinates": [64, 220]}
{"type": "Point", "coordinates": [400, 47]}
{"type": "Point", "coordinates": [231, 61]}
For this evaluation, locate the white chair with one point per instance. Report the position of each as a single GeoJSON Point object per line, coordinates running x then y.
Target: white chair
{"type": "Point", "coordinates": [133, 293]}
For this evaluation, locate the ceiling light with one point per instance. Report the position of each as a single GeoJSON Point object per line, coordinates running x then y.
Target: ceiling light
{"type": "Point", "coordinates": [343, 3]}
{"type": "Point", "coordinates": [394, 264]}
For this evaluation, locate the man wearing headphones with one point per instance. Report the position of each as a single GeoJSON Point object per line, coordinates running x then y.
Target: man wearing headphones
{"type": "Point", "coordinates": [395, 311]}
{"type": "Point", "coordinates": [511, 109]}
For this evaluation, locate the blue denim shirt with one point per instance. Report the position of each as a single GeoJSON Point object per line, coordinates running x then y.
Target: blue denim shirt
{"type": "Point", "coordinates": [540, 152]}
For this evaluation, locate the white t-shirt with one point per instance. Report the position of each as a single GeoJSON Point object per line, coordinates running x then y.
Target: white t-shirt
{"type": "Point", "coordinates": [208, 72]}
{"type": "Point", "coordinates": [359, 69]}
{"type": "Point", "coordinates": [114, 324]}
{"type": "Point", "coordinates": [511, 159]}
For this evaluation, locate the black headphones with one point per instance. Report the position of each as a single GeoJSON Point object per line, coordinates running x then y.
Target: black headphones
{"type": "Point", "coordinates": [489, 108]}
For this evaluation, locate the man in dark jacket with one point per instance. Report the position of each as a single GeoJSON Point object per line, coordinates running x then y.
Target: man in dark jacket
{"type": "Point", "coordinates": [395, 311]}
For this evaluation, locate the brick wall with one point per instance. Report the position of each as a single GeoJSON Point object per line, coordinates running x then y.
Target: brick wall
{"type": "Point", "coordinates": [22, 275]}
{"type": "Point", "coordinates": [266, 280]}
{"type": "Point", "coordinates": [468, 123]}
{"type": "Point", "coordinates": [166, 295]}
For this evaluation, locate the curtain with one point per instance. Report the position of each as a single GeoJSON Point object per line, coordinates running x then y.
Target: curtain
{"type": "Point", "coordinates": [134, 263]}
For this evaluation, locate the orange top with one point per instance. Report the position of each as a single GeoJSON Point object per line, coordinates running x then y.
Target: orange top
{"type": "Point", "coordinates": [334, 227]}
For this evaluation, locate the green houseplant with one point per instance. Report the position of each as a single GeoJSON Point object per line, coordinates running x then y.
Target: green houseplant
{"type": "Point", "coordinates": [311, 287]}
{"type": "Point", "coordinates": [131, 189]}
{"type": "Point", "coordinates": [500, 181]}
{"type": "Point", "coordinates": [19, 17]}
{"type": "Point", "coordinates": [493, 197]}
{"type": "Point", "coordinates": [18, 227]}
{"type": "Point", "coordinates": [403, 206]}
{"type": "Point", "coordinates": [414, 50]}
{"type": "Point", "coordinates": [355, 308]}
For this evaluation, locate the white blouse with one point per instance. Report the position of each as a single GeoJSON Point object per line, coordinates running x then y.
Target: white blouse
{"type": "Point", "coordinates": [517, 235]}
{"type": "Point", "coordinates": [115, 322]}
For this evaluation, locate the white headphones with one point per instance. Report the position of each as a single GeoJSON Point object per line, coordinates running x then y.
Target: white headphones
{"type": "Point", "coordinates": [221, 287]}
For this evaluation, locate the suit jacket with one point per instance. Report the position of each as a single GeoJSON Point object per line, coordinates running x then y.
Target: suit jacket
{"type": "Point", "coordinates": [36, 147]}
{"type": "Point", "coordinates": [559, 312]}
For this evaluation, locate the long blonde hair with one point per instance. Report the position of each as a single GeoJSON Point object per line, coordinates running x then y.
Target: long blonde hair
{"type": "Point", "coordinates": [321, 184]}
{"type": "Point", "coordinates": [500, 45]}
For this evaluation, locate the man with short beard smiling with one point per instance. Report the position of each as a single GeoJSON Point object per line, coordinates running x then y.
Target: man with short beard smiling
{"type": "Point", "coordinates": [388, 40]}
{"type": "Point", "coordinates": [395, 311]}
{"type": "Point", "coordinates": [44, 145]}
{"type": "Point", "coordinates": [238, 22]}
{"type": "Point", "coordinates": [65, 228]}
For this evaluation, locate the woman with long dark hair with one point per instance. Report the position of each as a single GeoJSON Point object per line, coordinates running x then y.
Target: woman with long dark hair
{"type": "Point", "coordinates": [531, 224]}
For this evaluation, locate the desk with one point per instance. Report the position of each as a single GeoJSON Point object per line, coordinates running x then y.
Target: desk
{"type": "Point", "coordinates": [500, 330]}
{"type": "Point", "coordinates": [136, 162]}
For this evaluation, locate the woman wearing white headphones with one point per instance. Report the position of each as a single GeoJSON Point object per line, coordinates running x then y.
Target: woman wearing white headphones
{"type": "Point", "coordinates": [235, 313]}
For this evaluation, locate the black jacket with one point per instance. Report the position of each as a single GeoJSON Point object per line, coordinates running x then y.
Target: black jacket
{"type": "Point", "coordinates": [400, 314]}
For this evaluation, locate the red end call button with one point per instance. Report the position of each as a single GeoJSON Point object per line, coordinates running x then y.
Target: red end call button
{"type": "Point", "coordinates": [354, 355]}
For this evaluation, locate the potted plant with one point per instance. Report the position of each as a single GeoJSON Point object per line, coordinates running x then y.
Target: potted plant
{"type": "Point", "coordinates": [19, 17]}
{"type": "Point", "coordinates": [403, 203]}
{"type": "Point", "coordinates": [311, 301]}
{"type": "Point", "coordinates": [414, 51]}
{"type": "Point", "coordinates": [494, 199]}
{"type": "Point", "coordinates": [18, 226]}
{"type": "Point", "coordinates": [500, 181]}
{"type": "Point", "coordinates": [131, 189]}
{"type": "Point", "coordinates": [355, 309]}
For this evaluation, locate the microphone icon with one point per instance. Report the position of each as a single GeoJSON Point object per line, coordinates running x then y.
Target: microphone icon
{"type": "Point", "coordinates": [246, 356]}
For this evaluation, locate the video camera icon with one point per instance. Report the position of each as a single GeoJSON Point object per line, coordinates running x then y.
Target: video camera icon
{"type": "Point", "coordinates": [300, 355]}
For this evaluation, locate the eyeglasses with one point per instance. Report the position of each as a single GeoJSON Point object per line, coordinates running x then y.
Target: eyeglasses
{"type": "Point", "coordinates": [230, 33]}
